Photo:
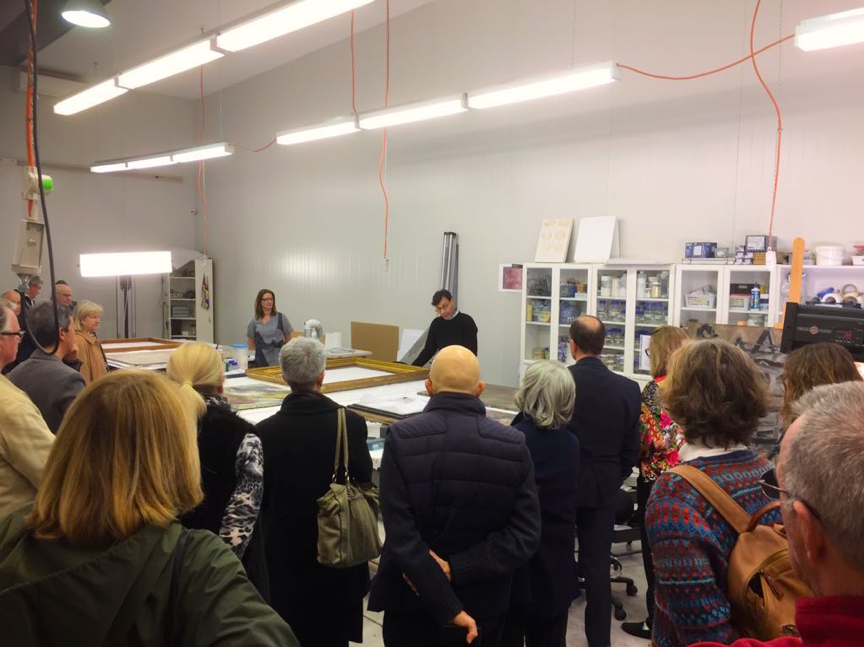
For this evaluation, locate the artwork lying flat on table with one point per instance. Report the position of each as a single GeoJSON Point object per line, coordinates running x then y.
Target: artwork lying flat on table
{"type": "Point", "coordinates": [351, 373]}
{"type": "Point", "coordinates": [137, 343]}
{"type": "Point", "coordinates": [254, 396]}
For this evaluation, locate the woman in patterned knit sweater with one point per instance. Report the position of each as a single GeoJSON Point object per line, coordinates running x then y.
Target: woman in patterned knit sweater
{"type": "Point", "coordinates": [232, 461]}
{"type": "Point", "coordinates": [659, 442]}
{"type": "Point", "coordinates": [717, 395]}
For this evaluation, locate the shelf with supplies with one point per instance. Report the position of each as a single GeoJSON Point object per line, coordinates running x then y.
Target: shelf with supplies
{"type": "Point", "coordinates": [187, 299]}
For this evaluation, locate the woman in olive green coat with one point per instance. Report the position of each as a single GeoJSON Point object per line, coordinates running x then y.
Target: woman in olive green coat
{"type": "Point", "coordinates": [99, 559]}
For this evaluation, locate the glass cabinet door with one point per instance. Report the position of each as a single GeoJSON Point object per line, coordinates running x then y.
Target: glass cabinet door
{"type": "Point", "coordinates": [537, 312]}
{"type": "Point", "coordinates": [572, 302]}
{"type": "Point", "coordinates": [697, 288]}
{"type": "Point", "coordinates": [612, 311]}
{"type": "Point", "coordinates": [651, 311]}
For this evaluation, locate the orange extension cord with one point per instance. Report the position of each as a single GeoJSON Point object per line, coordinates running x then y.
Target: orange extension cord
{"type": "Point", "coordinates": [28, 118]}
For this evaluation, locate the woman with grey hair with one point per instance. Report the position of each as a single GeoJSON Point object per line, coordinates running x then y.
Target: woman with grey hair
{"type": "Point", "coordinates": [543, 590]}
{"type": "Point", "coordinates": [87, 316]}
{"type": "Point", "coordinates": [323, 605]}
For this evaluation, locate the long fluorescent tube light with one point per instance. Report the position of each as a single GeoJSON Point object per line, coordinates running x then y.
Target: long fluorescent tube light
{"type": "Point", "coordinates": [88, 98]}
{"type": "Point", "coordinates": [125, 264]}
{"type": "Point", "coordinates": [161, 68]}
{"type": "Point", "coordinates": [413, 112]}
{"type": "Point", "coordinates": [580, 79]}
{"type": "Point", "coordinates": [833, 30]}
{"type": "Point", "coordinates": [283, 21]}
{"type": "Point", "coordinates": [108, 167]}
{"type": "Point", "coordinates": [312, 133]}
{"type": "Point", "coordinates": [150, 162]}
{"type": "Point", "coordinates": [203, 153]}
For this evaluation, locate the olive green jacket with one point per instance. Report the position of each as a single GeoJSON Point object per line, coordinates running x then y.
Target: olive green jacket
{"type": "Point", "coordinates": [54, 594]}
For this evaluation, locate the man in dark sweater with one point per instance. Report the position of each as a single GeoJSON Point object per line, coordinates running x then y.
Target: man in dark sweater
{"type": "Point", "coordinates": [606, 421]}
{"type": "Point", "coordinates": [460, 513]}
{"type": "Point", "coordinates": [450, 328]}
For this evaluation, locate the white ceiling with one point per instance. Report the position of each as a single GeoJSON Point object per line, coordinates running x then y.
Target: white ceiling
{"type": "Point", "coordinates": [144, 29]}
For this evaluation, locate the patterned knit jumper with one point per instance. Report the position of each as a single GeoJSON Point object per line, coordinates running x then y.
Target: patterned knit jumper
{"type": "Point", "coordinates": [691, 544]}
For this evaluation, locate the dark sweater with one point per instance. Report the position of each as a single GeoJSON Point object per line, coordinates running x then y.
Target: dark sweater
{"type": "Point", "coordinates": [461, 484]}
{"type": "Point", "coordinates": [458, 331]}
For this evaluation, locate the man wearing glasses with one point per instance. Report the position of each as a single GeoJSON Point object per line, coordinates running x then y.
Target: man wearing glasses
{"type": "Point", "coordinates": [819, 483]}
{"type": "Point", "coordinates": [450, 328]}
{"type": "Point", "coordinates": [24, 437]}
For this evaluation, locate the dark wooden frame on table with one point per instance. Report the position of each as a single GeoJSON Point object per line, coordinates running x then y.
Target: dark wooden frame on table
{"type": "Point", "coordinates": [398, 373]}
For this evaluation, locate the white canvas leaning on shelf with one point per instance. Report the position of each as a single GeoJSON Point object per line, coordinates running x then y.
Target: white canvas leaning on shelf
{"type": "Point", "coordinates": [597, 240]}
{"type": "Point", "coordinates": [554, 240]}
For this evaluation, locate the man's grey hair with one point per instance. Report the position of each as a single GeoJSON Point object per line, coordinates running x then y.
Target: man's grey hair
{"type": "Point", "coordinates": [6, 313]}
{"type": "Point", "coordinates": [40, 322]}
{"type": "Point", "coordinates": [302, 360]}
{"type": "Point", "coordinates": [824, 461]}
{"type": "Point", "coordinates": [35, 280]}
{"type": "Point", "coordinates": [547, 394]}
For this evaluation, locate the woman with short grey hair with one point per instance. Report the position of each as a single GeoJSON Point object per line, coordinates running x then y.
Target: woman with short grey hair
{"type": "Point", "coordinates": [323, 605]}
{"type": "Point", "coordinates": [542, 591]}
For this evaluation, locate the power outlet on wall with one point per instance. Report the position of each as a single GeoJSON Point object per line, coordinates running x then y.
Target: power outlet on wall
{"type": "Point", "coordinates": [385, 264]}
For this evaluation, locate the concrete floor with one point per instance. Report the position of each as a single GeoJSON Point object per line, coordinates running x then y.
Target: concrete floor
{"type": "Point", "coordinates": [634, 606]}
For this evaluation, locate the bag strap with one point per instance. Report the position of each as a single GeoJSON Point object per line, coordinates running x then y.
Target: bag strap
{"type": "Point", "coordinates": [341, 442]}
{"type": "Point", "coordinates": [173, 591]}
{"type": "Point", "coordinates": [716, 496]}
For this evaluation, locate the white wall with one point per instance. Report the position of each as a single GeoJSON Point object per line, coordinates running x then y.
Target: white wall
{"type": "Point", "coordinates": [674, 161]}
{"type": "Point", "coordinates": [93, 213]}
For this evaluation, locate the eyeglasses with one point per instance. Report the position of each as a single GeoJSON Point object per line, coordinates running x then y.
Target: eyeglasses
{"type": "Point", "coordinates": [19, 333]}
{"type": "Point", "coordinates": [648, 352]}
{"type": "Point", "coordinates": [773, 491]}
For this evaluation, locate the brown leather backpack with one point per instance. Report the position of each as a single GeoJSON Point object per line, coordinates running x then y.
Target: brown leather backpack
{"type": "Point", "coordinates": [761, 586]}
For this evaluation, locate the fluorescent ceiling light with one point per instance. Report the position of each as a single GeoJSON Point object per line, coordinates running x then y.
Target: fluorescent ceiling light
{"type": "Point", "coordinates": [88, 98]}
{"type": "Point", "coordinates": [283, 21]}
{"type": "Point", "coordinates": [150, 162]}
{"type": "Point", "coordinates": [580, 79]}
{"type": "Point", "coordinates": [833, 30]}
{"type": "Point", "coordinates": [169, 65]}
{"type": "Point", "coordinates": [85, 13]}
{"type": "Point", "coordinates": [413, 112]}
{"type": "Point", "coordinates": [311, 133]}
{"type": "Point", "coordinates": [109, 167]}
{"type": "Point", "coordinates": [203, 153]}
{"type": "Point", "coordinates": [125, 264]}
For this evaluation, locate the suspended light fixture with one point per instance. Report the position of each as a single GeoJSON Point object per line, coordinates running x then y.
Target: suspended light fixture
{"type": "Point", "coordinates": [200, 153]}
{"type": "Point", "coordinates": [150, 162]}
{"type": "Point", "coordinates": [125, 264]}
{"type": "Point", "coordinates": [196, 154]}
{"type": "Point", "coordinates": [283, 21]}
{"type": "Point", "coordinates": [413, 112]}
{"type": "Point", "coordinates": [333, 128]}
{"type": "Point", "coordinates": [161, 68]}
{"type": "Point", "coordinates": [90, 97]}
{"type": "Point", "coordinates": [108, 167]}
{"type": "Point", "coordinates": [85, 13]}
{"type": "Point", "coordinates": [579, 79]}
{"type": "Point", "coordinates": [833, 30]}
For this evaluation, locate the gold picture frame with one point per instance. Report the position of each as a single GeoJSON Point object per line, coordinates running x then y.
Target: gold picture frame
{"type": "Point", "coordinates": [146, 343]}
{"type": "Point", "coordinates": [398, 373]}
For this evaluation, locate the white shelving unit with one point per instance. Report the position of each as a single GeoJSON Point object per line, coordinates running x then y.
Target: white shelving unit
{"type": "Point", "coordinates": [816, 279]}
{"type": "Point", "coordinates": [188, 294]}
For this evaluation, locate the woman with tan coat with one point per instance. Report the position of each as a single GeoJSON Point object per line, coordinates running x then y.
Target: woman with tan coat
{"type": "Point", "coordinates": [88, 316]}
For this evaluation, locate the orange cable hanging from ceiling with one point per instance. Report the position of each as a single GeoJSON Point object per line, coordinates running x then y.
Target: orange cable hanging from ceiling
{"type": "Point", "coordinates": [383, 156]}
{"type": "Point", "coordinates": [28, 110]}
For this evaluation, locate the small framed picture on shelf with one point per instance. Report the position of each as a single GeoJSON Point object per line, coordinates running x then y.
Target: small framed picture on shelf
{"type": "Point", "coordinates": [510, 277]}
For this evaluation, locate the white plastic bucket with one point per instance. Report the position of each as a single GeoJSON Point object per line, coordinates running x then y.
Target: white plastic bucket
{"type": "Point", "coordinates": [830, 255]}
{"type": "Point", "coordinates": [241, 355]}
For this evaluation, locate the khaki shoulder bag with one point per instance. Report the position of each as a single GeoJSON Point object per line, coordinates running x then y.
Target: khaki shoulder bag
{"type": "Point", "coordinates": [347, 514]}
{"type": "Point", "coordinates": [761, 586]}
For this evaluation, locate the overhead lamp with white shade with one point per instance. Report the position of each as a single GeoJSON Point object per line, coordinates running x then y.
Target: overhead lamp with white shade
{"type": "Point", "coordinates": [285, 20]}
{"type": "Point", "coordinates": [832, 30]}
{"type": "Point", "coordinates": [181, 60]}
{"type": "Point", "coordinates": [88, 98]}
{"type": "Point", "coordinates": [125, 264]}
{"type": "Point", "coordinates": [85, 13]}
{"type": "Point", "coordinates": [335, 128]}
{"type": "Point", "coordinates": [412, 113]}
{"type": "Point", "coordinates": [579, 79]}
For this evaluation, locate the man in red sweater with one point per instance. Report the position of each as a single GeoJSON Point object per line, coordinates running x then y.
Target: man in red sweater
{"type": "Point", "coordinates": [820, 487]}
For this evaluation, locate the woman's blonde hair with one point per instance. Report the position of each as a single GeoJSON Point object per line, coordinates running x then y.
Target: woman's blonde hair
{"type": "Point", "coordinates": [83, 310]}
{"type": "Point", "coordinates": [547, 394]}
{"type": "Point", "coordinates": [193, 366]}
{"type": "Point", "coordinates": [665, 340]}
{"type": "Point", "coordinates": [125, 456]}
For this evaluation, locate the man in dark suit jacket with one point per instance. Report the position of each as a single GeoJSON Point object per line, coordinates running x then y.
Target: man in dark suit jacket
{"type": "Point", "coordinates": [323, 605]}
{"type": "Point", "coordinates": [51, 384]}
{"type": "Point", "coordinates": [606, 421]}
{"type": "Point", "coordinates": [460, 513]}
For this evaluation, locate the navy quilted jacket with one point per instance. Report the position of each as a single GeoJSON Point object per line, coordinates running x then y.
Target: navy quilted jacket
{"type": "Point", "coordinates": [460, 484]}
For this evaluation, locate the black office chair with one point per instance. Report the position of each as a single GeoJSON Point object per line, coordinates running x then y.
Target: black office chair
{"type": "Point", "coordinates": [626, 533]}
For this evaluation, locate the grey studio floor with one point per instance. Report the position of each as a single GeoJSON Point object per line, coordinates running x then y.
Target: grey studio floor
{"type": "Point", "coordinates": [634, 606]}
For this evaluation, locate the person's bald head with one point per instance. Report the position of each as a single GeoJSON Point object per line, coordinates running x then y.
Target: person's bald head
{"type": "Point", "coordinates": [587, 337]}
{"type": "Point", "coordinates": [455, 370]}
{"type": "Point", "coordinates": [13, 298]}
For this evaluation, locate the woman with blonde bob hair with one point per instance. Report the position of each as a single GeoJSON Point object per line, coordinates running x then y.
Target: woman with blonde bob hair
{"type": "Point", "coordinates": [100, 559]}
{"type": "Point", "coordinates": [232, 460]}
{"type": "Point", "coordinates": [542, 591]}
{"type": "Point", "coordinates": [87, 317]}
{"type": "Point", "coordinates": [717, 395]}
{"type": "Point", "coordinates": [659, 442]}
